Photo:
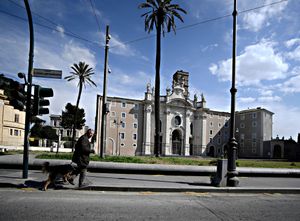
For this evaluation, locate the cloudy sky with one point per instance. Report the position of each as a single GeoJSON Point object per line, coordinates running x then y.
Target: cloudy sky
{"type": "Point", "coordinates": [66, 32]}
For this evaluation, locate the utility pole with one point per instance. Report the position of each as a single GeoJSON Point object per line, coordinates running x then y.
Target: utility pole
{"type": "Point", "coordinates": [104, 100]}
{"type": "Point", "coordinates": [232, 179]}
{"type": "Point", "coordinates": [28, 100]}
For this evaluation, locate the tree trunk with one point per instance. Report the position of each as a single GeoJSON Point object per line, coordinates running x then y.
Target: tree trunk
{"type": "Point", "coordinates": [157, 148]}
{"type": "Point", "coordinates": [75, 116]}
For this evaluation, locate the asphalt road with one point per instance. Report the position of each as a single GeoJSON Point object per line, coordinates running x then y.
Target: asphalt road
{"type": "Point", "coordinates": [31, 204]}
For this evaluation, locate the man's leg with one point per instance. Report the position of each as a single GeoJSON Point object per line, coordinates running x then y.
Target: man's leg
{"type": "Point", "coordinates": [82, 176]}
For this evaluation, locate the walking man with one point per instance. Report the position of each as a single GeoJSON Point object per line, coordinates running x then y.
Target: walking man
{"type": "Point", "coordinates": [81, 155]}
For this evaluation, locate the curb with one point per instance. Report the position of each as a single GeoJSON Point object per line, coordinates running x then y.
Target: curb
{"type": "Point", "coordinates": [241, 190]}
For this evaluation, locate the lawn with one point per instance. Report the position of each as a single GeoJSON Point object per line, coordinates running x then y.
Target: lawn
{"type": "Point", "coordinates": [196, 161]}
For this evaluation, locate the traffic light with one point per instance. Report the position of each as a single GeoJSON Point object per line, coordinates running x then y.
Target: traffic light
{"type": "Point", "coordinates": [17, 96]}
{"type": "Point", "coordinates": [39, 101]}
{"type": "Point", "coordinates": [14, 91]}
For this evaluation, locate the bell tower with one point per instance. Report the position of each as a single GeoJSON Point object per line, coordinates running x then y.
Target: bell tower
{"type": "Point", "coordinates": [181, 78]}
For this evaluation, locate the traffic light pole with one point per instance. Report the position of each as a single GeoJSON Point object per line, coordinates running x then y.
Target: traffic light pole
{"type": "Point", "coordinates": [29, 85]}
{"type": "Point", "coordinates": [104, 105]}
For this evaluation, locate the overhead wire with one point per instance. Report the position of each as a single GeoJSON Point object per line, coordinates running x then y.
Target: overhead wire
{"type": "Point", "coordinates": [71, 34]}
{"type": "Point", "coordinates": [95, 15]}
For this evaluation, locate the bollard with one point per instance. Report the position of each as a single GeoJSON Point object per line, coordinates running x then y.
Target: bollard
{"type": "Point", "coordinates": [220, 178]}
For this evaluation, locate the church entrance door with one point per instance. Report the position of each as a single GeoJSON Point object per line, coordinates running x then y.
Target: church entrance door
{"type": "Point", "coordinates": [176, 142]}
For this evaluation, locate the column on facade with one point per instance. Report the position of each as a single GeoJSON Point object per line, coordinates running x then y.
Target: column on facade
{"type": "Point", "coordinates": [203, 134]}
{"type": "Point", "coordinates": [147, 130]}
{"type": "Point", "coordinates": [168, 132]}
{"type": "Point", "coordinates": [186, 145]}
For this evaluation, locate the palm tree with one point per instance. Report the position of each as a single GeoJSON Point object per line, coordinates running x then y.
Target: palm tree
{"type": "Point", "coordinates": [161, 14]}
{"type": "Point", "coordinates": [83, 73]}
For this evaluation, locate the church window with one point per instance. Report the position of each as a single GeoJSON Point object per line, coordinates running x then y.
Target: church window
{"type": "Point", "coordinates": [177, 120]}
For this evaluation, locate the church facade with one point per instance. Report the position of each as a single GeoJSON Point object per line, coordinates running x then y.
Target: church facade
{"type": "Point", "coordinates": [187, 126]}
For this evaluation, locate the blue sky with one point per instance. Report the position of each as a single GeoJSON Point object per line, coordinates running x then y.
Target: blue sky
{"type": "Point", "coordinates": [268, 52]}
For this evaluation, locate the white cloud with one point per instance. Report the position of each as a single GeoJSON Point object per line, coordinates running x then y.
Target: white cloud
{"type": "Point", "coordinates": [61, 30]}
{"type": "Point", "coordinates": [295, 54]}
{"type": "Point", "coordinates": [292, 85]}
{"type": "Point", "coordinates": [267, 99]}
{"type": "Point", "coordinates": [256, 63]}
{"type": "Point", "coordinates": [256, 20]}
{"type": "Point", "coordinates": [74, 53]}
{"type": "Point", "coordinates": [246, 99]}
{"type": "Point", "coordinates": [290, 43]}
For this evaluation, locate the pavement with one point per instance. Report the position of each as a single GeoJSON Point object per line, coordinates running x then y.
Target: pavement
{"type": "Point", "coordinates": [108, 176]}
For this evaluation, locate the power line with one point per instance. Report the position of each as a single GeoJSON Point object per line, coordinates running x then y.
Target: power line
{"type": "Point", "coordinates": [52, 29]}
{"type": "Point", "coordinates": [95, 15]}
{"type": "Point", "coordinates": [71, 34]}
{"type": "Point", "coordinates": [46, 19]}
{"type": "Point", "coordinates": [204, 22]}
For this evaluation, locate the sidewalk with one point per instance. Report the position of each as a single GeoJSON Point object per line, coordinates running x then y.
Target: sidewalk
{"type": "Point", "coordinates": [148, 178]}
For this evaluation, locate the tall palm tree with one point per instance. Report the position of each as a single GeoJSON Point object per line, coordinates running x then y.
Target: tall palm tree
{"type": "Point", "coordinates": [83, 73]}
{"type": "Point", "coordinates": [161, 14]}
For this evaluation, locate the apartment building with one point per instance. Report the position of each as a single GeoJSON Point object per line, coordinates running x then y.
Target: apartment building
{"type": "Point", "coordinates": [12, 123]}
{"type": "Point", "coordinates": [254, 127]}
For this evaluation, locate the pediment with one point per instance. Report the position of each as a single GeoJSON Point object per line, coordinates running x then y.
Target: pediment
{"type": "Point", "coordinates": [179, 102]}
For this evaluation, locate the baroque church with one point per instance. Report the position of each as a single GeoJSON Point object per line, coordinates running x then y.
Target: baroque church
{"type": "Point", "coordinates": [187, 126]}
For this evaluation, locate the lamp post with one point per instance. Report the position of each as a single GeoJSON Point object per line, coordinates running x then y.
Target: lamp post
{"type": "Point", "coordinates": [232, 179]}
{"type": "Point", "coordinates": [104, 100]}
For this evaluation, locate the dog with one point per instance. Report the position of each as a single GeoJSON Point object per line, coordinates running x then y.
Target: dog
{"type": "Point", "coordinates": [66, 171]}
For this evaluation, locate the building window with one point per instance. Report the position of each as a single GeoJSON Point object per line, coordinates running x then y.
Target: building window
{"type": "Point", "coordinates": [219, 125]}
{"type": "Point", "coordinates": [211, 124]}
{"type": "Point", "coordinates": [123, 104]}
{"type": "Point", "coordinates": [254, 115]}
{"type": "Point", "coordinates": [123, 124]}
{"type": "Point", "coordinates": [17, 118]}
{"type": "Point", "coordinates": [136, 106]}
{"type": "Point", "coordinates": [191, 128]}
{"type": "Point", "coordinates": [219, 133]}
{"type": "Point", "coordinates": [122, 145]}
{"type": "Point", "coordinates": [226, 124]}
{"type": "Point", "coordinates": [219, 140]}
{"type": "Point", "coordinates": [242, 117]}
{"type": "Point", "coordinates": [134, 145]}
{"type": "Point", "coordinates": [135, 116]}
{"type": "Point", "coordinates": [177, 120]}
{"type": "Point", "coordinates": [254, 124]}
{"type": "Point", "coordinates": [123, 115]}
{"type": "Point", "coordinates": [113, 113]}
{"type": "Point", "coordinates": [135, 125]}
{"type": "Point", "coordinates": [122, 136]}
{"type": "Point", "coordinates": [242, 125]}
{"type": "Point", "coordinates": [134, 136]}
{"type": "Point", "coordinates": [210, 132]}
{"type": "Point", "coordinates": [11, 132]}
{"type": "Point", "coordinates": [16, 133]}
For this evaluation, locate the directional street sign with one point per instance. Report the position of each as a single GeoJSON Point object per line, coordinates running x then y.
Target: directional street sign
{"type": "Point", "coordinates": [46, 73]}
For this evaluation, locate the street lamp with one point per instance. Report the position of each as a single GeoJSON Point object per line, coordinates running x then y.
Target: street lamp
{"type": "Point", "coordinates": [232, 179]}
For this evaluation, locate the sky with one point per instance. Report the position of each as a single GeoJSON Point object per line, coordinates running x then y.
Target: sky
{"type": "Point", "coordinates": [66, 32]}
